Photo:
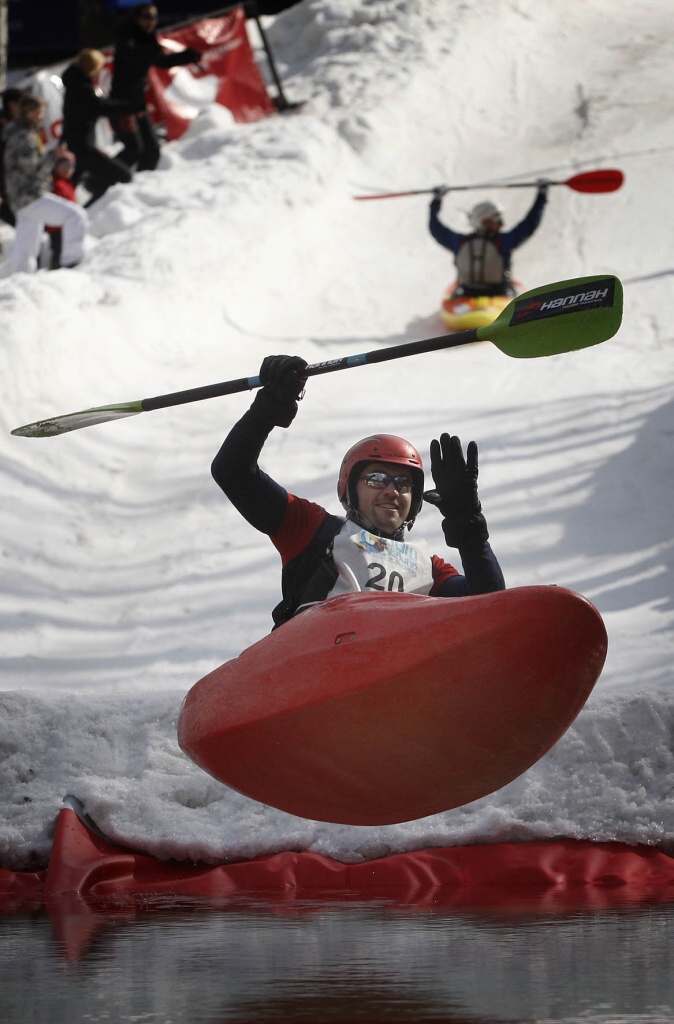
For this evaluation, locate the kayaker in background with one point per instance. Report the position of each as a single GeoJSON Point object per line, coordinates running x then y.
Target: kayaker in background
{"type": "Point", "coordinates": [380, 485]}
{"type": "Point", "coordinates": [483, 257]}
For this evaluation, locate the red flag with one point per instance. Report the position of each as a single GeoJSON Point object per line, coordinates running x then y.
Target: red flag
{"type": "Point", "coordinates": [227, 74]}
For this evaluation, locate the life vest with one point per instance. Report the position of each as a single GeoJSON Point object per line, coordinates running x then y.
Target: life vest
{"type": "Point", "coordinates": [308, 576]}
{"type": "Point", "coordinates": [479, 261]}
{"type": "Point", "coordinates": [343, 557]}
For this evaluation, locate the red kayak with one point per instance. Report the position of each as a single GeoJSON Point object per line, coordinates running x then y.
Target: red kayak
{"type": "Point", "coordinates": [371, 709]}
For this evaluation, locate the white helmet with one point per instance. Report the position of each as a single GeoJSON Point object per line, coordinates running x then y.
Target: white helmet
{"type": "Point", "coordinates": [484, 211]}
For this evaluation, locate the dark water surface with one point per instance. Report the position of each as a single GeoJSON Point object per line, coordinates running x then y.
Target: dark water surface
{"type": "Point", "coordinates": [328, 961]}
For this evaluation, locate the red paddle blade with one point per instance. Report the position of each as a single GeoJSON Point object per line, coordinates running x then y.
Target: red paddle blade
{"type": "Point", "coordinates": [596, 181]}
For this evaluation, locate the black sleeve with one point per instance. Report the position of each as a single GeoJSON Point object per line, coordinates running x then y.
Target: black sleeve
{"type": "Point", "coordinates": [172, 60]}
{"type": "Point", "coordinates": [482, 574]}
{"type": "Point", "coordinates": [259, 499]}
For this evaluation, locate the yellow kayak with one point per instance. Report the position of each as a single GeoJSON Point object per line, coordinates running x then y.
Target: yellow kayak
{"type": "Point", "coordinates": [467, 312]}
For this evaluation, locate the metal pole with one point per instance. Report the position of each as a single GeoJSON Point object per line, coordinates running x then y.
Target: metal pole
{"type": "Point", "coordinates": [281, 102]}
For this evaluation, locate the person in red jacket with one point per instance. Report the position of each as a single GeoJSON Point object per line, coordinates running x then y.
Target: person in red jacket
{"type": "Point", "coordinates": [381, 488]}
{"type": "Point", "coordinates": [62, 185]}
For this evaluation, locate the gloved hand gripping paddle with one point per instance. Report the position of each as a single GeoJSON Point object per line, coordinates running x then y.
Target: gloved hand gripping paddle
{"type": "Point", "coordinates": [282, 388]}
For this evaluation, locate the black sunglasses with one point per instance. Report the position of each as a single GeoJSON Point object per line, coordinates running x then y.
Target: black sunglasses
{"type": "Point", "coordinates": [380, 480]}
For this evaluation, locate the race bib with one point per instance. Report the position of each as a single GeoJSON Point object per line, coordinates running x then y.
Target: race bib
{"type": "Point", "coordinates": [367, 562]}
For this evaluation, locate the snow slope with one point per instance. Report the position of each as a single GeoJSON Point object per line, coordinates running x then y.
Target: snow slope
{"type": "Point", "coordinates": [126, 574]}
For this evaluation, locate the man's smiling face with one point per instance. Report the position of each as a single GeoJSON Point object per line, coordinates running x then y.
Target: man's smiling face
{"type": "Point", "coordinates": [387, 507]}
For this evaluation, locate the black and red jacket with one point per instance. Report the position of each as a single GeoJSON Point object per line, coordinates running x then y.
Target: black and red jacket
{"type": "Point", "coordinates": [302, 531]}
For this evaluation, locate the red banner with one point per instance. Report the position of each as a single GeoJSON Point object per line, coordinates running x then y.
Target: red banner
{"type": "Point", "coordinates": [227, 74]}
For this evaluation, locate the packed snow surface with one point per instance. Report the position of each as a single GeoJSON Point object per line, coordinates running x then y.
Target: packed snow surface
{"type": "Point", "coordinates": [127, 576]}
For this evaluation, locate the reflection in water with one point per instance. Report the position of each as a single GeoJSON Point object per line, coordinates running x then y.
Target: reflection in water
{"type": "Point", "coordinates": [320, 961]}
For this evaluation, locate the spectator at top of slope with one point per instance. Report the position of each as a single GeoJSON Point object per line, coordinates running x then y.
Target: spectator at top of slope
{"type": "Point", "coordinates": [9, 113]}
{"type": "Point", "coordinates": [82, 107]}
{"type": "Point", "coordinates": [137, 49]}
{"type": "Point", "coordinates": [63, 185]}
{"type": "Point", "coordinates": [483, 257]}
{"type": "Point", "coordinates": [28, 179]}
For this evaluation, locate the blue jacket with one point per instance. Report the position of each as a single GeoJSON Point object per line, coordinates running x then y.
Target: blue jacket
{"type": "Point", "coordinates": [507, 240]}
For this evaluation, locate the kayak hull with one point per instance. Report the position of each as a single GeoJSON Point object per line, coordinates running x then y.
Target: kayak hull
{"type": "Point", "coordinates": [371, 709]}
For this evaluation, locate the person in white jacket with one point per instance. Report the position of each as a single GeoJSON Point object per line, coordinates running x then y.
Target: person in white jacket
{"type": "Point", "coordinates": [28, 177]}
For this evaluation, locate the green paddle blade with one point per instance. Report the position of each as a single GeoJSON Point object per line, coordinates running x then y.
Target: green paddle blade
{"type": "Point", "coordinates": [570, 315]}
{"type": "Point", "coordinates": [76, 420]}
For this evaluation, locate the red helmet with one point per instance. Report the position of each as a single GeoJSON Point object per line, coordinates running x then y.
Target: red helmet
{"type": "Point", "coordinates": [381, 448]}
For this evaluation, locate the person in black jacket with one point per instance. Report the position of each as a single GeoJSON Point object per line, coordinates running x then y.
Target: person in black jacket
{"type": "Point", "coordinates": [136, 51]}
{"type": "Point", "coordinates": [82, 107]}
{"type": "Point", "coordinates": [381, 488]}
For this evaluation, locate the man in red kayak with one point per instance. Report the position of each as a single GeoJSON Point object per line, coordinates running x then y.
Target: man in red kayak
{"type": "Point", "coordinates": [483, 257]}
{"type": "Point", "coordinates": [380, 485]}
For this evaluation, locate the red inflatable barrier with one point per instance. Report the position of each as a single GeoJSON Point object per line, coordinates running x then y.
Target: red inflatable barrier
{"type": "Point", "coordinates": [559, 876]}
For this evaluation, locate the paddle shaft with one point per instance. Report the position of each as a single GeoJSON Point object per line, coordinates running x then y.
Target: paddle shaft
{"type": "Point", "coordinates": [588, 181]}
{"type": "Point", "coordinates": [508, 324]}
{"type": "Point", "coordinates": [232, 387]}
{"type": "Point", "coordinates": [545, 321]}
{"type": "Point", "coordinates": [455, 188]}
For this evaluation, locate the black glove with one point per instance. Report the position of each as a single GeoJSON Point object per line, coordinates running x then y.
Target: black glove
{"type": "Point", "coordinates": [455, 479]}
{"type": "Point", "coordinates": [438, 193]}
{"type": "Point", "coordinates": [192, 56]}
{"type": "Point", "coordinates": [543, 184]}
{"type": "Point", "coordinates": [283, 387]}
